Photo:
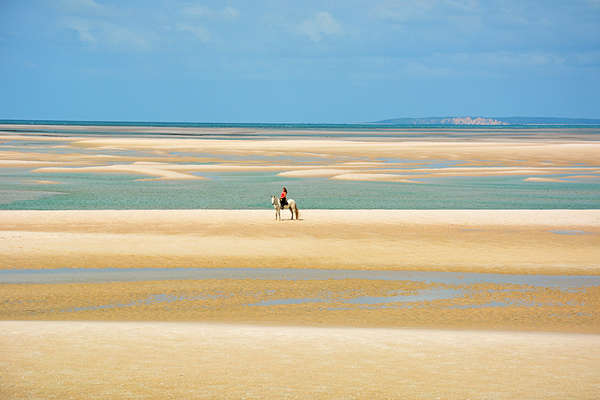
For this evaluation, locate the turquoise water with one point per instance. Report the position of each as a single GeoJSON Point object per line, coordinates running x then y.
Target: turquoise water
{"type": "Point", "coordinates": [228, 190]}
{"type": "Point", "coordinates": [279, 126]}
{"type": "Point", "coordinates": [241, 131]}
{"type": "Point", "coordinates": [253, 191]}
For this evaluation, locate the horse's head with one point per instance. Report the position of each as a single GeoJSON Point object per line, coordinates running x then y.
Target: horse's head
{"type": "Point", "coordinates": [273, 200]}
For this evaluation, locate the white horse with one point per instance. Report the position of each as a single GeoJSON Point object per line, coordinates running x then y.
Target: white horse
{"type": "Point", "coordinates": [277, 206]}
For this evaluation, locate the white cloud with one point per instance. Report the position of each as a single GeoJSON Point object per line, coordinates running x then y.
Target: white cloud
{"type": "Point", "coordinates": [395, 11]}
{"type": "Point", "coordinates": [120, 36]}
{"type": "Point", "coordinates": [465, 5]}
{"type": "Point", "coordinates": [196, 30]}
{"type": "Point", "coordinates": [100, 25]}
{"type": "Point", "coordinates": [320, 25]}
{"type": "Point", "coordinates": [230, 13]}
{"type": "Point", "coordinates": [196, 11]}
{"type": "Point", "coordinates": [81, 27]}
{"type": "Point", "coordinates": [404, 11]}
{"type": "Point", "coordinates": [192, 14]}
{"type": "Point", "coordinates": [200, 11]}
{"type": "Point", "coordinates": [98, 32]}
{"type": "Point", "coordinates": [84, 7]}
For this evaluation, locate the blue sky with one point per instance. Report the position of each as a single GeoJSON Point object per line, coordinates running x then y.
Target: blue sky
{"type": "Point", "coordinates": [297, 61]}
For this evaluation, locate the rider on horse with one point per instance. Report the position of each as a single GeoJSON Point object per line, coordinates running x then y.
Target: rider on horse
{"type": "Point", "coordinates": [283, 198]}
{"type": "Point", "coordinates": [283, 202]}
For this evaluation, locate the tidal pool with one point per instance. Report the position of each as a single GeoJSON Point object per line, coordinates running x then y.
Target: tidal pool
{"type": "Point", "coordinates": [292, 289]}
{"type": "Point", "coordinates": [92, 275]}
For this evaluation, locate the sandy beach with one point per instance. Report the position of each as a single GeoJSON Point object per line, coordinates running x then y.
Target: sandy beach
{"type": "Point", "coordinates": [503, 241]}
{"type": "Point", "coordinates": [118, 303]}
{"type": "Point", "coordinates": [440, 165]}
{"type": "Point", "coordinates": [71, 360]}
{"type": "Point", "coordinates": [551, 242]}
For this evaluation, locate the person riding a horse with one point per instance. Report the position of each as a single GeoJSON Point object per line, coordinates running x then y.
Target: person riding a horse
{"type": "Point", "coordinates": [284, 203]}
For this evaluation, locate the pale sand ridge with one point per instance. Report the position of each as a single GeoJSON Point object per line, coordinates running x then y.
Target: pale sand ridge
{"type": "Point", "coordinates": [374, 177]}
{"type": "Point", "coordinates": [491, 151]}
{"type": "Point", "coordinates": [356, 159]}
{"type": "Point", "coordinates": [514, 241]}
{"type": "Point", "coordinates": [544, 180]}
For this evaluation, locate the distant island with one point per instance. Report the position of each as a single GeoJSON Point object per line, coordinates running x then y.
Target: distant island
{"type": "Point", "coordinates": [469, 120]}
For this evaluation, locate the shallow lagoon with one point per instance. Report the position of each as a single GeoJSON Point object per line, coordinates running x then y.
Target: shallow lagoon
{"type": "Point", "coordinates": [253, 191]}
{"type": "Point", "coordinates": [244, 190]}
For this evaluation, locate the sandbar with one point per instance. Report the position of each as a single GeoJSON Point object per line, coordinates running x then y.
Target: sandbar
{"type": "Point", "coordinates": [537, 179]}
{"type": "Point", "coordinates": [504, 241]}
{"type": "Point", "coordinates": [505, 151]}
{"type": "Point", "coordinates": [373, 177]}
{"type": "Point", "coordinates": [516, 151]}
{"type": "Point", "coordinates": [370, 158]}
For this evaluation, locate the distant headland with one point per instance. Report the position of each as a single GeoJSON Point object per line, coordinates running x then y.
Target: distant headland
{"type": "Point", "coordinates": [479, 120]}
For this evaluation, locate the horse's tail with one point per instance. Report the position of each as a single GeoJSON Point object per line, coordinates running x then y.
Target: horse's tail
{"type": "Point", "coordinates": [297, 211]}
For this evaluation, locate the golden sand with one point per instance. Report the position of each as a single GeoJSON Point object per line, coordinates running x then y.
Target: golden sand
{"type": "Point", "coordinates": [354, 159]}
{"type": "Point", "coordinates": [72, 360]}
{"type": "Point", "coordinates": [506, 241]}
{"type": "Point", "coordinates": [185, 171]}
{"type": "Point", "coordinates": [544, 180]}
{"type": "Point", "coordinates": [292, 350]}
{"type": "Point", "coordinates": [521, 152]}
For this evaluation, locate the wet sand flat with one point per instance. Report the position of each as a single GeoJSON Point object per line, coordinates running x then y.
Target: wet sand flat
{"type": "Point", "coordinates": [365, 303]}
{"type": "Point", "coordinates": [505, 241]}
{"type": "Point", "coordinates": [124, 360]}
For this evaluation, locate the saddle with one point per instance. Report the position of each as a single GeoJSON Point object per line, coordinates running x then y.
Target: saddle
{"type": "Point", "coordinates": [283, 202]}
